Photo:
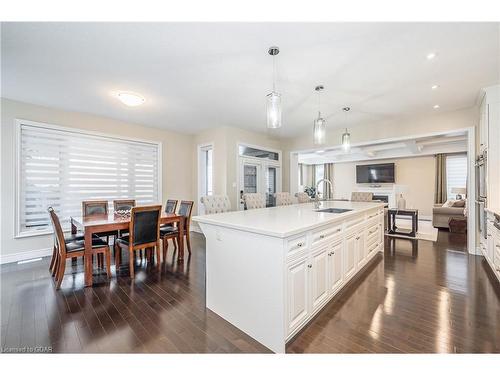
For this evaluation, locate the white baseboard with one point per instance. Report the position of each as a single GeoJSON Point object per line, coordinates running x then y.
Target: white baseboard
{"type": "Point", "coordinates": [25, 255]}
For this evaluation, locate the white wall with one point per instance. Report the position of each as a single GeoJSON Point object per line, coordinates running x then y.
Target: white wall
{"type": "Point", "coordinates": [177, 181]}
{"type": "Point", "coordinates": [416, 174]}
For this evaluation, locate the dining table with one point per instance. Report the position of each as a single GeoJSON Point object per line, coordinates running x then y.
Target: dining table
{"type": "Point", "coordinates": [101, 223]}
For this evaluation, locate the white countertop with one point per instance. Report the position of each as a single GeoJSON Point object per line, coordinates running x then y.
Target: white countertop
{"type": "Point", "coordinates": [285, 221]}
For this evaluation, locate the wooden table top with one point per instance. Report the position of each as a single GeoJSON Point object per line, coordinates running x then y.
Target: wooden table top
{"type": "Point", "coordinates": [116, 219]}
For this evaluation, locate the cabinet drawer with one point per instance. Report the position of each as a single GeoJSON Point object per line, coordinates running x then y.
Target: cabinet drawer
{"type": "Point", "coordinates": [325, 234]}
{"type": "Point", "coordinates": [373, 215]}
{"type": "Point", "coordinates": [296, 244]}
{"type": "Point", "coordinates": [373, 236]}
{"type": "Point", "coordinates": [497, 256]}
{"type": "Point", "coordinates": [354, 223]}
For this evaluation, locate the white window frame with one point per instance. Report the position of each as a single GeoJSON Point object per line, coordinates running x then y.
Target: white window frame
{"type": "Point", "coordinates": [17, 162]}
{"type": "Point", "coordinates": [201, 180]}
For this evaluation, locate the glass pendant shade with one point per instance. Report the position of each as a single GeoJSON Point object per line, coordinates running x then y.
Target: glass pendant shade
{"type": "Point", "coordinates": [319, 131]}
{"type": "Point", "coordinates": [273, 108]}
{"type": "Point", "coordinates": [346, 141]}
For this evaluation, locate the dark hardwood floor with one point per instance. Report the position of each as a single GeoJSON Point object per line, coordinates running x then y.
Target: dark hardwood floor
{"type": "Point", "coordinates": [430, 298]}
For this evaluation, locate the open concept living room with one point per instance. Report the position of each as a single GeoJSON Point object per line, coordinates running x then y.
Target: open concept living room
{"type": "Point", "coordinates": [296, 188]}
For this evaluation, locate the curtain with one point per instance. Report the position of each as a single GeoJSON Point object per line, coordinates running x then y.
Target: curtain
{"type": "Point", "coordinates": [301, 174]}
{"type": "Point", "coordinates": [440, 189]}
{"type": "Point", "coordinates": [328, 174]}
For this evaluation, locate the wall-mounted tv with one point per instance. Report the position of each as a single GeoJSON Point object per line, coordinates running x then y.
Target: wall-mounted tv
{"type": "Point", "coordinates": [375, 173]}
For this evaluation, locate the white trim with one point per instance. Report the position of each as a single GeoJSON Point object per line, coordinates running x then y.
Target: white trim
{"type": "Point", "coordinates": [25, 255]}
{"type": "Point", "coordinates": [17, 158]}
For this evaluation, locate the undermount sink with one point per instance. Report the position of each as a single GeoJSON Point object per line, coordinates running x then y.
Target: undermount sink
{"type": "Point", "coordinates": [334, 210]}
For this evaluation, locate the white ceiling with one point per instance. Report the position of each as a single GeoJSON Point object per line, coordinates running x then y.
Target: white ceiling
{"type": "Point", "coordinates": [200, 75]}
{"type": "Point", "coordinates": [448, 142]}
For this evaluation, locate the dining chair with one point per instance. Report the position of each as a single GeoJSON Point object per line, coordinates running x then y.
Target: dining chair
{"type": "Point", "coordinates": [254, 200]}
{"type": "Point", "coordinates": [302, 197]}
{"type": "Point", "coordinates": [123, 204]}
{"type": "Point", "coordinates": [283, 199]}
{"type": "Point", "coordinates": [73, 249]}
{"type": "Point", "coordinates": [144, 233]}
{"type": "Point", "coordinates": [166, 233]}
{"type": "Point", "coordinates": [215, 204]}
{"type": "Point", "coordinates": [94, 208]}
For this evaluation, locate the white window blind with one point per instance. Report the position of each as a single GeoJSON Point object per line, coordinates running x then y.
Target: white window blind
{"type": "Point", "coordinates": [61, 168]}
{"type": "Point", "coordinates": [456, 173]}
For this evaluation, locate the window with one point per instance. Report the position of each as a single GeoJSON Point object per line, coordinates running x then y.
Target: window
{"type": "Point", "coordinates": [62, 167]}
{"type": "Point", "coordinates": [456, 173]}
{"type": "Point", "coordinates": [205, 170]}
{"type": "Point", "coordinates": [256, 153]}
{"type": "Point", "coordinates": [320, 173]}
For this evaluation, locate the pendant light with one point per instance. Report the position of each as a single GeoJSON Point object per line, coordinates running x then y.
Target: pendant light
{"type": "Point", "coordinates": [273, 104]}
{"type": "Point", "coordinates": [346, 137]}
{"type": "Point", "coordinates": [319, 127]}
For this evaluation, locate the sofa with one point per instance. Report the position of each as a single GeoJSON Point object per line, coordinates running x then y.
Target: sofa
{"type": "Point", "coordinates": [442, 213]}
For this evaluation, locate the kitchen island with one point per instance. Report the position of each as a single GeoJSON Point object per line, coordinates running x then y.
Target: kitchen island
{"type": "Point", "coordinates": [270, 270]}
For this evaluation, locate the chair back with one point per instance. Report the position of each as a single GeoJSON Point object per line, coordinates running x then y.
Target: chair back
{"type": "Point", "coordinates": [359, 196]}
{"type": "Point", "coordinates": [94, 208]}
{"type": "Point", "coordinates": [215, 204]}
{"type": "Point", "coordinates": [186, 209]}
{"type": "Point", "coordinates": [254, 200]}
{"type": "Point", "coordinates": [58, 232]}
{"type": "Point", "coordinates": [171, 206]}
{"type": "Point", "coordinates": [144, 225]}
{"type": "Point", "coordinates": [283, 199]}
{"type": "Point", "coordinates": [302, 197]}
{"type": "Point", "coordinates": [123, 204]}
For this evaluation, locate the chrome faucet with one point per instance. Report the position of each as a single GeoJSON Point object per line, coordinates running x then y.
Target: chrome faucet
{"type": "Point", "coordinates": [316, 202]}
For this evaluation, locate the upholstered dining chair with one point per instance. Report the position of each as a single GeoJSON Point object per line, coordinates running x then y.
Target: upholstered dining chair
{"type": "Point", "coordinates": [67, 248]}
{"type": "Point", "coordinates": [302, 197]}
{"type": "Point", "coordinates": [254, 200]}
{"type": "Point", "coordinates": [215, 204]}
{"type": "Point", "coordinates": [123, 204]}
{"type": "Point", "coordinates": [144, 233]}
{"type": "Point", "coordinates": [166, 233]}
{"type": "Point", "coordinates": [283, 199]}
{"type": "Point", "coordinates": [360, 196]}
{"type": "Point", "coordinates": [90, 208]}
{"type": "Point", "coordinates": [94, 208]}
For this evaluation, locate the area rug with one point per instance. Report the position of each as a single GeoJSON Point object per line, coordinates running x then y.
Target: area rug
{"type": "Point", "coordinates": [425, 232]}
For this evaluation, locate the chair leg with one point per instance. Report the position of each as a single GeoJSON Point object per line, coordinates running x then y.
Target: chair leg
{"type": "Point", "coordinates": [53, 259]}
{"type": "Point", "coordinates": [131, 263]}
{"type": "Point", "coordinates": [188, 240]}
{"type": "Point", "coordinates": [165, 248]}
{"type": "Point", "coordinates": [174, 240]}
{"type": "Point", "coordinates": [60, 272]}
{"type": "Point", "coordinates": [117, 257]}
{"type": "Point", "coordinates": [56, 267]}
{"type": "Point", "coordinates": [158, 253]}
{"type": "Point", "coordinates": [108, 262]}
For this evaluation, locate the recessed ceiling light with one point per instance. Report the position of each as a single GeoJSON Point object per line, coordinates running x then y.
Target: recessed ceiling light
{"type": "Point", "coordinates": [434, 87]}
{"type": "Point", "coordinates": [431, 55]}
{"type": "Point", "coordinates": [436, 106]}
{"type": "Point", "coordinates": [131, 99]}
{"type": "Point", "coordinates": [320, 151]}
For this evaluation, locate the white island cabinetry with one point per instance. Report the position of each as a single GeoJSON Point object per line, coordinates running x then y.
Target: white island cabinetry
{"type": "Point", "coordinates": [269, 271]}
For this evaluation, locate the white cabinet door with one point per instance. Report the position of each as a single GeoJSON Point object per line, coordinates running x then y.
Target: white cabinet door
{"type": "Point", "coordinates": [350, 256]}
{"type": "Point", "coordinates": [490, 244]}
{"type": "Point", "coordinates": [297, 293]}
{"type": "Point", "coordinates": [319, 277]}
{"type": "Point", "coordinates": [361, 250]}
{"type": "Point", "coordinates": [335, 267]}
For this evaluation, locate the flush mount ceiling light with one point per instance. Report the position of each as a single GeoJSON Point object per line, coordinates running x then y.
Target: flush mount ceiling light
{"type": "Point", "coordinates": [434, 87]}
{"type": "Point", "coordinates": [319, 127]}
{"type": "Point", "coordinates": [431, 55]}
{"type": "Point", "coordinates": [346, 137]}
{"type": "Point", "coordinates": [273, 103]}
{"type": "Point", "coordinates": [436, 106]}
{"type": "Point", "coordinates": [129, 98]}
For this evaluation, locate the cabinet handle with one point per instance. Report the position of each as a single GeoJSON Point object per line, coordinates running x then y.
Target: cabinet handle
{"type": "Point", "coordinates": [329, 254]}
{"type": "Point", "coordinates": [300, 244]}
{"type": "Point", "coordinates": [489, 234]}
{"type": "Point", "coordinates": [333, 252]}
{"type": "Point", "coordinates": [358, 238]}
{"type": "Point", "coordinates": [498, 246]}
{"type": "Point", "coordinates": [338, 230]}
{"type": "Point", "coordinates": [309, 266]}
{"type": "Point", "coordinates": [321, 236]}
